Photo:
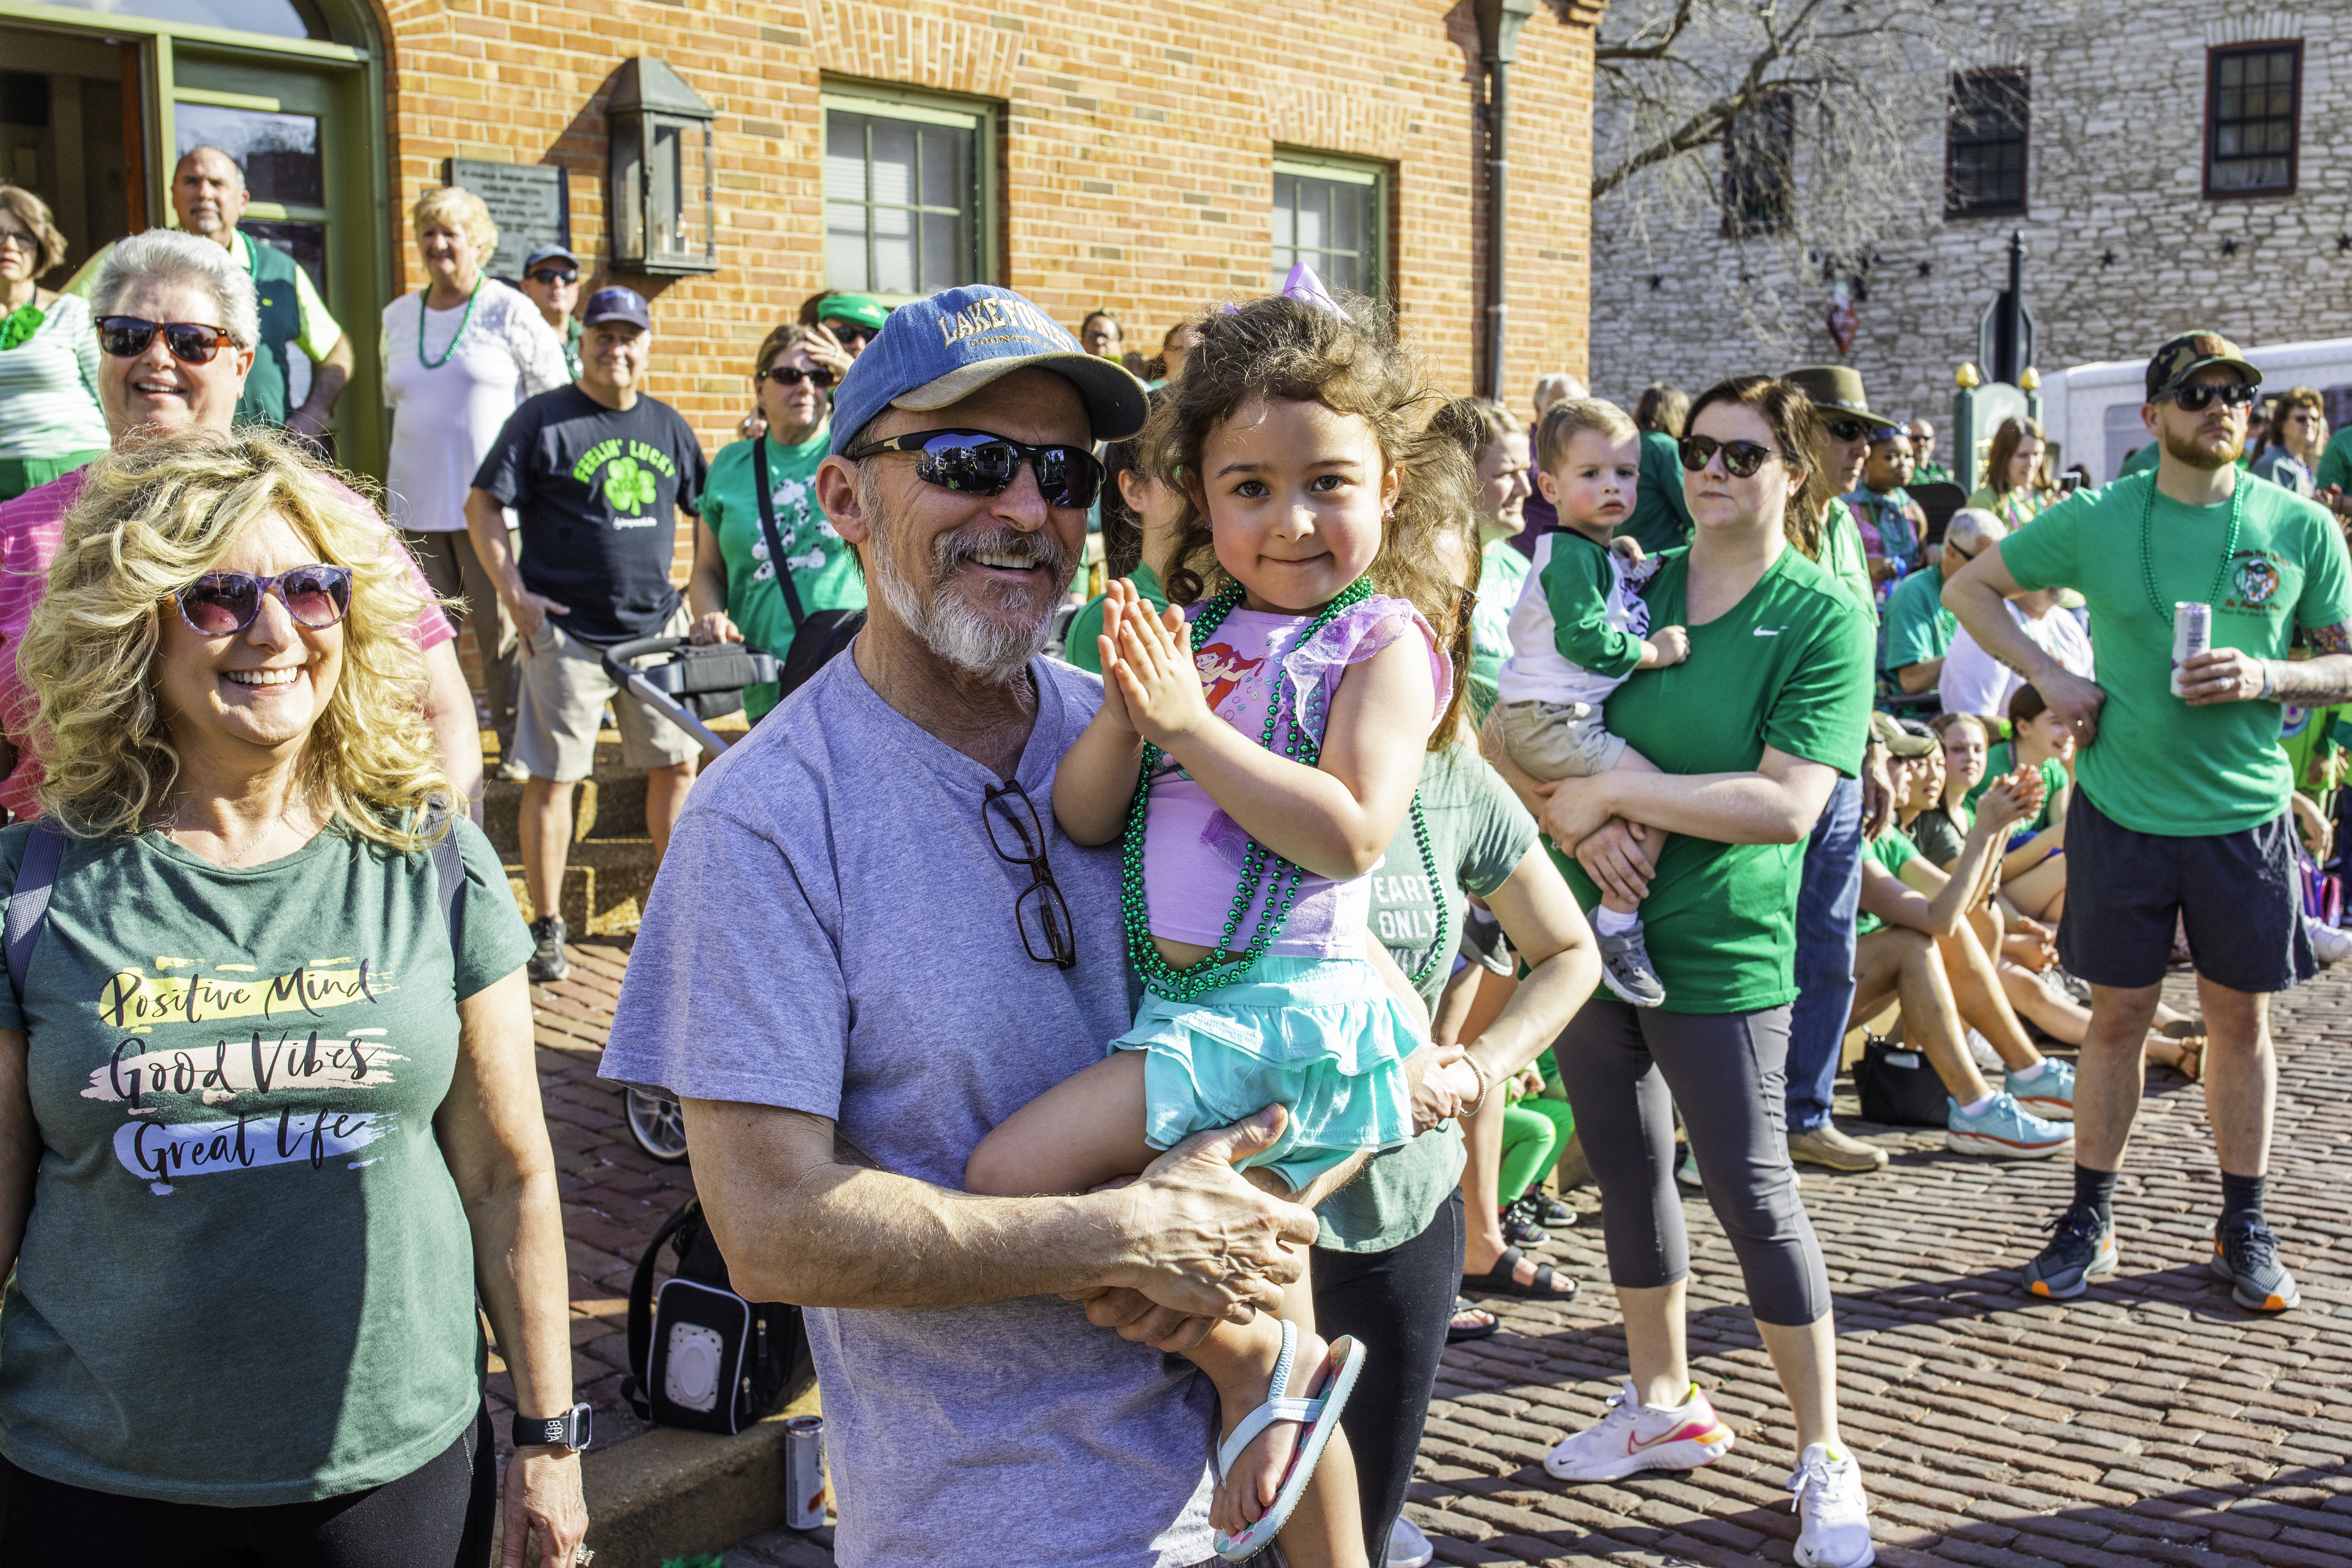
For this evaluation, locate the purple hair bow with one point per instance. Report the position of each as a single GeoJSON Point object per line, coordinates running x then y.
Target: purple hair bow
{"type": "Point", "coordinates": [1302, 285]}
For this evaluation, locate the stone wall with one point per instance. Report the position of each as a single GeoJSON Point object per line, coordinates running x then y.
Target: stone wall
{"type": "Point", "coordinates": [2124, 248]}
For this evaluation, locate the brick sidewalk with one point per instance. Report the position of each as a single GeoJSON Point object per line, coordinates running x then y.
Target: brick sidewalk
{"type": "Point", "coordinates": [2153, 1421]}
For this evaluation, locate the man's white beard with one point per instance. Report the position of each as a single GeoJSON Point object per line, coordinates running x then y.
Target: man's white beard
{"type": "Point", "coordinates": [956, 630]}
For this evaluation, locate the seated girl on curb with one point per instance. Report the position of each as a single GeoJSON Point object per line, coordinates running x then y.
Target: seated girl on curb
{"type": "Point", "coordinates": [1253, 811]}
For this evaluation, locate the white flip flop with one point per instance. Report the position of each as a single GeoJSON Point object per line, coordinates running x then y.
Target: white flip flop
{"type": "Point", "coordinates": [1319, 1415]}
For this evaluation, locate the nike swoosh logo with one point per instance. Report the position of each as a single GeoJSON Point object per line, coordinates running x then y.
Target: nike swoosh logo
{"type": "Point", "coordinates": [1767, 631]}
{"type": "Point", "coordinates": [1689, 1430]}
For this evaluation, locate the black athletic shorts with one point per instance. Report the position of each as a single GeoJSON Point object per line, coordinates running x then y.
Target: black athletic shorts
{"type": "Point", "coordinates": [2239, 896]}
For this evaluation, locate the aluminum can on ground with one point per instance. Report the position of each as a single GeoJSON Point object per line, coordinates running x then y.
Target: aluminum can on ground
{"type": "Point", "coordinates": [805, 1488]}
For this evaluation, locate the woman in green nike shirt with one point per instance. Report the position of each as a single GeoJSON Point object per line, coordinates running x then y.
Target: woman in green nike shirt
{"type": "Point", "coordinates": [1750, 734]}
{"type": "Point", "coordinates": [733, 590]}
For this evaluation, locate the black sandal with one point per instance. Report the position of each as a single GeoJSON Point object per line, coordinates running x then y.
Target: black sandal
{"type": "Point", "coordinates": [1497, 1281]}
{"type": "Point", "coordinates": [1456, 1334]}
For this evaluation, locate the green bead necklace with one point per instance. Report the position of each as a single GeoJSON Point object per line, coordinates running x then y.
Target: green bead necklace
{"type": "Point", "coordinates": [2148, 543]}
{"type": "Point", "coordinates": [463, 322]}
{"type": "Point", "coordinates": [1220, 967]}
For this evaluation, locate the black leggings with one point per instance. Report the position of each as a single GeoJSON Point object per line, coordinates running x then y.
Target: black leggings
{"type": "Point", "coordinates": [438, 1513]}
{"type": "Point", "coordinates": [1398, 1303]}
{"type": "Point", "coordinates": [1626, 1069]}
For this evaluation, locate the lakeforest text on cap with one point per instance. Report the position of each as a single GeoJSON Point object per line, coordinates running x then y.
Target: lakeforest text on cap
{"type": "Point", "coordinates": [943, 348]}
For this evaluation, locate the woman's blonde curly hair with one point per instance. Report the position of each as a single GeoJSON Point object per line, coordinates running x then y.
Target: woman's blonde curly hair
{"type": "Point", "coordinates": [1281, 349]}
{"type": "Point", "coordinates": [151, 519]}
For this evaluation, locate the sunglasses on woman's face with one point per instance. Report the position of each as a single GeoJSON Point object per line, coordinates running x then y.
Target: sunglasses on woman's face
{"type": "Point", "coordinates": [127, 337]}
{"type": "Point", "coordinates": [787, 375]}
{"type": "Point", "coordinates": [979, 462]}
{"type": "Point", "coordinates": [1740, 459]}
{"type": "Point", "coordinates": [223, 604]}
{"type": "Point", "coordinates": [2196, 399]}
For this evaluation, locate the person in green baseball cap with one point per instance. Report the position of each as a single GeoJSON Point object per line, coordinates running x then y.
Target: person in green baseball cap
{"type": "Point", "coordinates": [2200, 581]}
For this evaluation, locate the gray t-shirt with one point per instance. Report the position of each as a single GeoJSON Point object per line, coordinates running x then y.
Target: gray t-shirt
{"type": "Point", "coordinates": [834, 933]}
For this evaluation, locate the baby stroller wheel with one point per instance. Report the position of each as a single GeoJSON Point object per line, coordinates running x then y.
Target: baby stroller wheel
{"type": "Point", "coordinates": [658, 1124]}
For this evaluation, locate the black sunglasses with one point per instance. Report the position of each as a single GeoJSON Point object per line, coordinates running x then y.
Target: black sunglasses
{"type": "Point", "coordinates": [223, 604]}
{"type": "Point", "coordinates": [551, 275]}
{"type": "Point", "coordinates": [127, 337]}
{"type": "Point", "coordinates": [2196, 399]}
{"type": "Point", "coordinates": [787, 376]}
{"type": "Point", "coordinates": [1846, 429]}
{"type": "Point", "coordinates": [1740, 459]}
{"type": "Point", "coordinates": [1040, 913]}
{"type": "Point", "coordinates": [980, 462]}
{"type": "Point", "coordinates": [845, 334]}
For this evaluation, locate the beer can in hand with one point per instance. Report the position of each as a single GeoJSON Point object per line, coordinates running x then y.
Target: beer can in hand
{"type": "Point", "coordinates": [804, 1491]}
{"type": "Point", "coordinates": [2192, 634]}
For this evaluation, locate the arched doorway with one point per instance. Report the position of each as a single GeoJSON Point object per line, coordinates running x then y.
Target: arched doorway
{"type": "Point", "coordinates": [97, 105]}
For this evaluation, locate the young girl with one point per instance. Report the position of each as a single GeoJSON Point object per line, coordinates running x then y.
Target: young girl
{"type": "Point", "coordinates": [1252, 812]}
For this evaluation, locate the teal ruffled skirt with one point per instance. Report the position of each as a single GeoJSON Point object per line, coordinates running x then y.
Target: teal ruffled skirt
{"type": "Point", "coordinates": [1320, 1035]}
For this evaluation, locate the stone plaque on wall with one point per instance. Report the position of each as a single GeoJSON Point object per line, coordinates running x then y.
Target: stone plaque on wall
{"type": "Point", "coordinates": [530, 203]}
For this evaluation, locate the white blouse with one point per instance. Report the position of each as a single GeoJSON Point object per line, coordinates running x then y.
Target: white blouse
{"type": "Point", "coordinates": [446, 417]}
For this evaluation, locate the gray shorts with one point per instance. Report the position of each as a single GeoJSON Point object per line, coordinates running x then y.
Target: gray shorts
{"type": "Point", "coordinates": [560, 700]}
{"type": "Point", "coordinates": [1559, 740]}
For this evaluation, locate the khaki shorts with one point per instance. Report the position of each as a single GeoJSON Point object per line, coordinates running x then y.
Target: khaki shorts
{"type": "Point", "coordinates": [1559, 740]}
{"type": "Point", "coordinates": [560, 699]}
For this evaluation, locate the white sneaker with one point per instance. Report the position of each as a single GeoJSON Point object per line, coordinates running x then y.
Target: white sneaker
{"type": "Point", "coordinates": [1631, 1436]}
{"type": "Point", "coordinates": [1834, 1531]}
{"type": "Point", "coordinates": [1407, 1547]}
{"type": "Point", "coordinates": [2328, 944]}
{"type": "Point", "coordinates": [1980, 1051]}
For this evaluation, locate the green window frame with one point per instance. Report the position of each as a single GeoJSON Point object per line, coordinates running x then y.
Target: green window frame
{"type": "Point", "coordinates": [909, 191]}
{"type": "Point", "coordinates": [1332, 212]}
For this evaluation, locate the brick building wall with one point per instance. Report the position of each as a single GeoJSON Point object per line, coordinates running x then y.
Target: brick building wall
{"type": "Point", "coordinates": [1134, 159]}
{"type": "Point", "coordinates": [2125, 250]}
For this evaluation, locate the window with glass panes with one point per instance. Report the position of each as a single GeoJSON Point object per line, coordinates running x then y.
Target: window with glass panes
{"type": "Point", "coordinates": [902, 195]}
{"type": "Point", "coordinates": [1333, 216]}
{"type": "Point", "coordinates": [2251, 97]}
{"type": "Point", "coordinates": [1984, 144]}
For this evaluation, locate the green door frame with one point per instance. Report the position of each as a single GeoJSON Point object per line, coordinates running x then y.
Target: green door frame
{"type": "Point", "coordinates": [220, 65]}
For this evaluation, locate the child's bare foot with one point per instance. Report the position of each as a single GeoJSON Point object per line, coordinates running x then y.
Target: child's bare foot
{"type": "Point", "coordinates": [1249, 1488]}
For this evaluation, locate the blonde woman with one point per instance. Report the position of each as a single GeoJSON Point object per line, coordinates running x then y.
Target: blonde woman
{"type": "Point", "coordinates": [49, 419]}
{"type": "Point", "coordinates": [268, 1119]}
{"type": "Point", "coordinates": [458, 355]}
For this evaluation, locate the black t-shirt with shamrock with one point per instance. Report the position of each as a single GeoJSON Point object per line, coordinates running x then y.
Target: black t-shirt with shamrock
{"type": "Point", "coordinates": [596, 491]}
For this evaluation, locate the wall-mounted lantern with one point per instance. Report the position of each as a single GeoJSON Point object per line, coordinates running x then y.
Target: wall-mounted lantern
{"type": "Point", "coordinates": [660, 135]}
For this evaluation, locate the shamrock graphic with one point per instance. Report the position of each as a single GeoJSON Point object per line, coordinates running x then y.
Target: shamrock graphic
{"type": "Point", "coordinates": [627, 486]}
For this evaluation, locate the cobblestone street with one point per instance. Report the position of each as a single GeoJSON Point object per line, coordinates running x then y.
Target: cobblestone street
{"type": "Point", "coordinates": [2152, 1420]}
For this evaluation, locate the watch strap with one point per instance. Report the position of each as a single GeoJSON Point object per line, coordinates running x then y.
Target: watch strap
{"type": "Point", "coordinates": [569, 1430]}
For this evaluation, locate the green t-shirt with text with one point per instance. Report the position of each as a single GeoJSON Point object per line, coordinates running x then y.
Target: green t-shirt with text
{"type": "Point", "coordinates": [825, 569]}
{"type": "Point", "coordinates": [247, 1278]}
{"type": "Point", "coordinates": [2158, 765]}
{"type": "Point", "coordinates": [1502, 573]}
{"type": "Point", "coordinates": [1893, 850]}
{"type": "Point", "coordinates": [1918, 627]}
{"type": "Point", "coordinates": [1078, 645]}
{"type": "Point", "coordinates": [1478, 834]}
{"type": "Point", "coordinates": [1788, 667]}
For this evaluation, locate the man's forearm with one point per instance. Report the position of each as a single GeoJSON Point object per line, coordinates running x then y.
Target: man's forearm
{"type": "Point", "coordinates": [1921, 676]}
{"type": "Point", "coordinates": [485, 525]}
{"type": "Point", "coordinates": [1986, 616]}
{"type": "Point", "coordinates": [2310, 683]}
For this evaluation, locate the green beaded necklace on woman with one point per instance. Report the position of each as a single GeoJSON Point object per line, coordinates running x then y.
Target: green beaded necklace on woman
{"type": "Point", "coordinates": [463, 322]}
{"type": "Point", "coordinates": [1218, 968]}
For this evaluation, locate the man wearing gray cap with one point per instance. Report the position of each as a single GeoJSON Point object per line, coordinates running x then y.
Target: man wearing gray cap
{"type": "Point", "coordinates": [871, 942]}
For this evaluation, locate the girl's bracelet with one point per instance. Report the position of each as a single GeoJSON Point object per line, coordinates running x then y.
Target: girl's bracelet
{"type": "Point", "coordinates": [1485, 1086]}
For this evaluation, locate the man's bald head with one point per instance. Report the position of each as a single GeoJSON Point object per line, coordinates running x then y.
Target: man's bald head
{"type": "Point", "coordinates": [1975, 531]}
{"type": "Point", "coordinates": [209, 193]}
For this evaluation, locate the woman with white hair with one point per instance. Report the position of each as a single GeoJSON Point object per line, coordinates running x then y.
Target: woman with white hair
{"type": "Point", "coordinates": [459, 356]}
{"type": "Point", "coordinates": [253, 1193]}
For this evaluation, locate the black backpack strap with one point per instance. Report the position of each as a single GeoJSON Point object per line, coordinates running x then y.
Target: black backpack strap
{"type": "Point", "coordinates": [28, 903]}
{"type": "Point", "coordinates": [775, 541]}
{"type": "Point", "coordinates": [641, 1307]}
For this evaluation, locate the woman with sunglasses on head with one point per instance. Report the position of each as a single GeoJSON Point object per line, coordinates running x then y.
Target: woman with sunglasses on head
{"type": "Point", "coordinates": [237, 770]}
{"type": "Point", "coordinates": [176, 324]}
{"type": "Point", "coordinates": [459, 356]}
{"type": "Point", "coordinates": [1751, 729]}
{"type": "Point", "coordinates": [734, 591]}
{"type": "Point", "coordinates": [50, 422]}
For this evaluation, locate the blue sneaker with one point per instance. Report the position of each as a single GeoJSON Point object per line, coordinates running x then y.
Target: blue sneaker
{"type": "Point", "coordinates": [2080, 1247]}
{"type": "Point", "coordinates": [2245, 1253]}
{"type": "Point", "coordinates": [2006, 1131]}
{"type": "Point", "coordinates": [2051, 1096]}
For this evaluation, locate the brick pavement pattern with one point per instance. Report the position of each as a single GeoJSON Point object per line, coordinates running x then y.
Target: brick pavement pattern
{"type": "Point", "coordinates": [2153, 1421]}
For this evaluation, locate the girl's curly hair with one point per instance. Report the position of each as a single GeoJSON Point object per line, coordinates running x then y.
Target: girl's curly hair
{"type": "Point", "coordinates": [1281, 349]}
{"type": "Point", "coordinates": [153, 517]}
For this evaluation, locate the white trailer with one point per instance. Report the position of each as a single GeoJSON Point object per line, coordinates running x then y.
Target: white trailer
{"type": "Point", "coordinates": [2092, 411]}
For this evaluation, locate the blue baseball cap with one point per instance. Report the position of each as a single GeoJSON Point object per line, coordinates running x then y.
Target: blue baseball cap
{"type": "Point", "coordinates": [617, 304]}
{"type": "Point", "coordinates": [948, 346]}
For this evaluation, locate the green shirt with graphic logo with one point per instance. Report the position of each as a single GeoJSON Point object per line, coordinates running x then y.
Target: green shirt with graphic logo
{"type": "Point", "coordinates": [246, 1278]}
{"type": "Point", "coordinates": [2158, 765]}
{"type": "Point", "coordinates": [1789, 668]}
{"type": "Point", "coordinates": [1478, 834]}
{"type": "Point", "coordinates": [825, 569]}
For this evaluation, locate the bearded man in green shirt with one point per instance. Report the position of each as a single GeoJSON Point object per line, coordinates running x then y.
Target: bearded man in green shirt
{"type": "Point", "coordinates": [2182, 789]}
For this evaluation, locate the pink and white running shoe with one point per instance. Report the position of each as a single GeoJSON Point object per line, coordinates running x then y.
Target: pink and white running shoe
{"type": "Point", "coordinates": [1633, 1436]}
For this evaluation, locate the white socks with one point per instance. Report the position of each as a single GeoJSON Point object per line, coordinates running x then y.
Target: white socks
{"type": "Point", "coordinates": [1979, 1107]}
{"type": "Point", "coordinates": [2033, 1074]}
{"type": "Point", "coordinates": [1608, 922]}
